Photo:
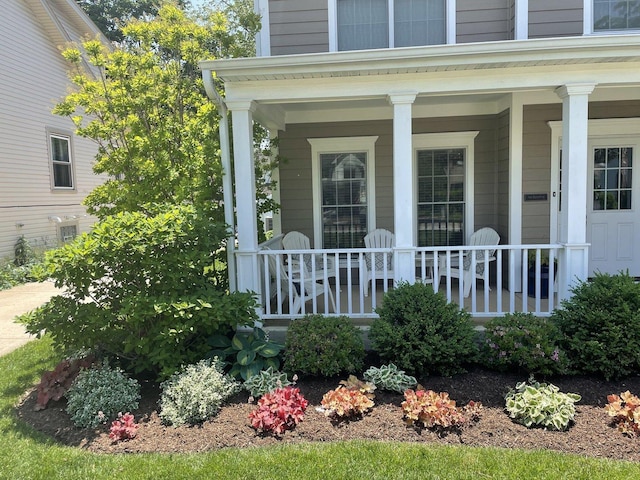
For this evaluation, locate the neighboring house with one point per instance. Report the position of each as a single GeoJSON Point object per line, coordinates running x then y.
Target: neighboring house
{"type": "Point", "coordinates": [432, 119]}
{"type": "Point", "coordinates": [45, 170]}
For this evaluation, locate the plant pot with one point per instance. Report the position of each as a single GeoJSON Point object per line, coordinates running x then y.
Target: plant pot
{"type": "Point", "coordinates": [544, 281]}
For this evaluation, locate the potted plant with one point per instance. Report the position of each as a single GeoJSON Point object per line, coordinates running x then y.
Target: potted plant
{"type": "Point", "coordinates": [544, 273]}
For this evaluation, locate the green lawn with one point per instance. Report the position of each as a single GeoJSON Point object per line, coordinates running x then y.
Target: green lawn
{"type": "Point", "coordinates": [25, 454]}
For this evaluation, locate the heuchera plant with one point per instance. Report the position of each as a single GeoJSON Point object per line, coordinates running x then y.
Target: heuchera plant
{"type": "Point", "coordinates": [124, 428]}
{"type": "Point", "coordinates": [625, 410]}
{"type": "Point", "coordinates": [55, 383]}
{"type": "Point", "coordinates": [279, 410]}
{"type": "Point", "coordinates": [346, 402]}
{"type": "Point", "coordinates": [436, 410]}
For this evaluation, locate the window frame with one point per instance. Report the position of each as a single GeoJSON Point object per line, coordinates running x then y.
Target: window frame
{"type": "Point", "coordinates": [588, 23]}
{"type": "Point", "coordinates": [450, 24]}
{"type": "Point", "coordinates": [335, 145]}
{"type": "Point", "coordinates": [450, 140]}
{"type": "Point", "coordinates": [51, 134]}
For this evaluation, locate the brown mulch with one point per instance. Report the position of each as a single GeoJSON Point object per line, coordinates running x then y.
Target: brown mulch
{"type": "Point", "coordinates": [591, 435]}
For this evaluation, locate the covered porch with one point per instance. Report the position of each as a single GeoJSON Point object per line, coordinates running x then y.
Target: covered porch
{"type": "Point", "coordinates": [467, 136]}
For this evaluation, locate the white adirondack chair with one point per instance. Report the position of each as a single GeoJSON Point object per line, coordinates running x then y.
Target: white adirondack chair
{"type": "Point", "coordinates": [484, 237]}
{"type": "Point", "coordinates": [299, 241]}
{"type": "Point", "coordinates": [376, 267]}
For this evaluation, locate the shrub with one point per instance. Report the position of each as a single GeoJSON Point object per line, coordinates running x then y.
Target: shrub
{"type": "Point", "coordinates": [429, 409]}
{"type": "Point", "coordinates": [124, 428]}
{"type": "Point", "coordinates": [421, 333]}
{"type": "Point", "coordinates": [279, 410]}
{"type": "Point", "coordinates": [55, 383]}
{"type": "Point", "coordinates": [346, 402]}
{"type": "Point", "coordinates": [23, 253]}
{"type": "Point", "coordinates": [151, 285]}
{"type": "Point", "coordinates": [600, 326]}
{"type": "Point", "coordinates": [522, 342]}
{"type": "Point", "coordinates": [319, 345]}
{"type": "Point", "coordinates": [196, 393]}
{"type": "Point", "coordinates": [266, 381]}
{"type": "Point", "coordinates": [541, 404]}
{"type": "Point", "coordinates": [247, 352]}
{"type": "Point", "coordinates": [389, 377]}
{"type": "Point", "coordinates": [98, 394]}
{"type": "Point", "coordinates": [625, 410]}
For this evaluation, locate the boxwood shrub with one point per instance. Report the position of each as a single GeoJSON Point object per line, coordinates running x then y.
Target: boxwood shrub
{"type": "Point", "coordinates": [421, 333]}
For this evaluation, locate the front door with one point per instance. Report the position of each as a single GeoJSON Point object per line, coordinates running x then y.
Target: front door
{"type": "Point", "coordinates": [613, 227]}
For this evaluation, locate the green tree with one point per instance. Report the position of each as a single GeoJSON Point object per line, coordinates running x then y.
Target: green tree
{"type": "Point", "coordinates": [144, 104]}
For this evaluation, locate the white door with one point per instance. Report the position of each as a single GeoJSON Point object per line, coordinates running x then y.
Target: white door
{"type": "Point", "coordinates": [613, 221]}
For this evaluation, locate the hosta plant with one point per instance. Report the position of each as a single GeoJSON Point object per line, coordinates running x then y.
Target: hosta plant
{"type": "Point", "coordinates": [346, 402]}
{"type": "Point", "coordinates": [54, 384]}
{"type": "Point", "coordinates": [540, 404]}
{"type": "Point", "coordinates": [625, 410]}
{"type": "Point", "coordinates": [266, 381]}
{"type": "Point", "coordinates": [196, 393]}
{"type": "Point", "coordinates": [426, 408]}
{"type": "Point", "coordinates": [390, 377]}
{"type": "Point", "coordinates": [124, 428]}
{"type": "Point", "coordinates": [98, 394]}
{"type": "Point", "coordinates": [279, 410]}
{"type": "Point", "coordinates": [247, 353]}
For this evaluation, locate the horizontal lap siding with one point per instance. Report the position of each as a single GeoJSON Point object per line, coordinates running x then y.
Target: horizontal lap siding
{"type": "Point", "coordinates": [298, 26]}
{"type": "Point", "coordinates": [33, 79]}
{"type": "Point", "coordinates": [553, 18]}
{"type": "Point", "coordinates": [489, 20]}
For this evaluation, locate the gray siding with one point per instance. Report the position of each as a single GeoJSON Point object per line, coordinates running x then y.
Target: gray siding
{"type": "Point", "coordinates": [298, 26]}
{"type": "Point", "coordinates": [551, 18]}
{"type": "Point", "coordinates": [296, 175]}
{"type": "Point", "coordinates": [485, 21]}
{"type": "Point", "coordinates": [34, 77]}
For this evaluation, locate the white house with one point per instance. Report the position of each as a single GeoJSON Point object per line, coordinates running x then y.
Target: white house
{"type": "Point", "coordinates": [433, 119]}
{"type": "Point", "coordinates": [45, 170]}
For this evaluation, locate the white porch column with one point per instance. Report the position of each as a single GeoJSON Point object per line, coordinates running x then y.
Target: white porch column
{"type": "Point", "coordinates": [573, 225]}
{"type": "Point", "coordinates": [403, 188]}
{"type": "Point", "coordinates": [247, 264]}
{"type": "Point", "coordinates": [516, 116]}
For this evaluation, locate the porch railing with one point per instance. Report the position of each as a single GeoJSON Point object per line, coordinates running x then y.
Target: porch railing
{"type": "Point", "coordinates": [332, 281]}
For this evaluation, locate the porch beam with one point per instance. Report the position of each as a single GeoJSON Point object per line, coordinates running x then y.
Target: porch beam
{"type": "Point", "coordinates": [245, 181]}
{"type": "Point", "coordinates": [403, 187]}
{"type": "Point", "coordinates": [573, 226]}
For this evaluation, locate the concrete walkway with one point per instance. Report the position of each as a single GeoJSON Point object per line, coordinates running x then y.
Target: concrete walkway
{"type": "Point", "coordinates": [16, 301]}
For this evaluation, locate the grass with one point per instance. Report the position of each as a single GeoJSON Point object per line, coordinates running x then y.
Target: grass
{"type": "Point", "coordinates": [26, 454]}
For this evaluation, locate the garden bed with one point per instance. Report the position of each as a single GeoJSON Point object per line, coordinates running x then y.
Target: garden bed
{"type": "Point", "coordinates": [591, 435]}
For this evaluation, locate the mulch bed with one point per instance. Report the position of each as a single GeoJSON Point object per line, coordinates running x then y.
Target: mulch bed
{"type": "Point", "coordinates": [591, 435]}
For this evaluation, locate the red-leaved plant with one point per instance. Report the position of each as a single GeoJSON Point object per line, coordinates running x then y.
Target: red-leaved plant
{"type": "Point", "coordinates": [625, 410]}
{"type": "Point", "coordinates": [124, 428]}
{"type": "Point", "coordinates": [431, 409]}
{"type": "Point", "coordinates": [346, 402]}
{"type": "Point", "coordinates": [279, 410]}
{"type": "Point", "coordinates": [55, 383]}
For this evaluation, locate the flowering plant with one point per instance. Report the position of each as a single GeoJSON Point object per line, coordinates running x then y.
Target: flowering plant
{"type": "Point", "coordinates": [524, 343]}
{"type": "Point", "coordinates": [124, 428]}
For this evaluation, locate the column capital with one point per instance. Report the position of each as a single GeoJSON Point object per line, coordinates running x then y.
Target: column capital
{"type": "Point", "coordinates": [575, 89]}
{"type": "Point", "coordinates": [402, 98]}
{"type": "Point", "coordinates": [241, 105]}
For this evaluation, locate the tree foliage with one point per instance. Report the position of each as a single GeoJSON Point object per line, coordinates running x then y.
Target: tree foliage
{"type": "Point", "coordinates": [144, 104]}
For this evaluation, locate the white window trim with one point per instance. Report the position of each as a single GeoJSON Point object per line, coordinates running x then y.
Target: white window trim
{"type": "Point", "coordinates": [450, 23]}
{"type": "Point", "coordinates": [587, 19]}
{"type": "Point", "coordinates": [341, 145]}
{"type": "Point", "coordinates": [72, 164]}
{"type": "Point", "coordinates": [463, 140]}
{"type": "Point", "coordinates": [601, 129]}
{"type": "Point", "coordinates": [263, 39]}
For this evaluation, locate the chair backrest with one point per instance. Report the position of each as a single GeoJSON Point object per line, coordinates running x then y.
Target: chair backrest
{"type": "Point", "coordinates": [379, 238]}
{"type": "Point", "coordinates": [296, 241]}
{"type": "Point", "coordinates": [485, 236]}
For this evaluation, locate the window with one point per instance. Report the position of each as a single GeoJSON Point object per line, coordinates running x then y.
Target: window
{"type": "Point", "coordinates": [612, 178]}
{"type": "Point", "coordinates": [365, 24]}
{"type": "Point", "coordinates": [444, 163]}
{"type": "Point", "coordinates": [612, 15]}
{"type": "Point", "coordinates": [61, 161]}
{"type": "Point", "coordinates": [68, 233]}
{"type": "Point", "coordinates": [343, 190]}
